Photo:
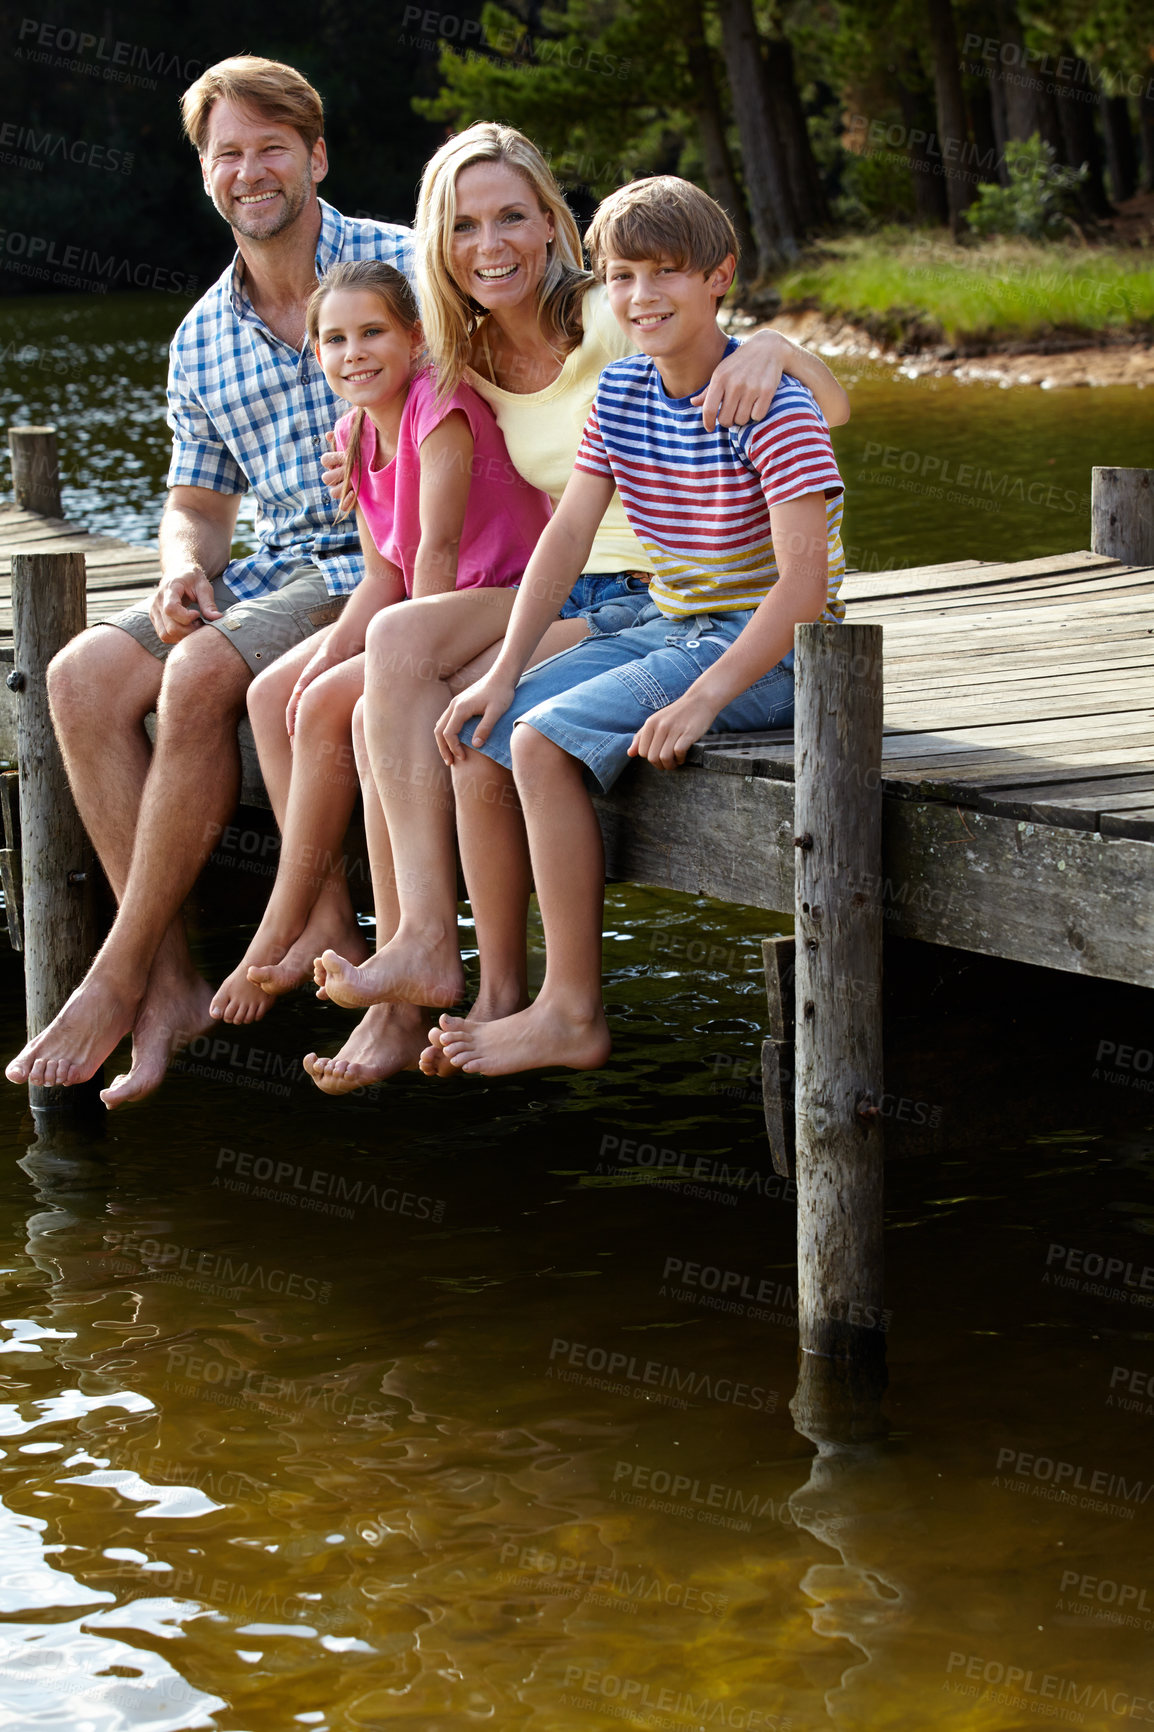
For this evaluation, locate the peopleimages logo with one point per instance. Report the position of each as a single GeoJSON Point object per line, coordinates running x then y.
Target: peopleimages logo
{"type": "Point", "coordinates": [653, 1374]}
{"type": "Point", "coordinates": [182, 1265]}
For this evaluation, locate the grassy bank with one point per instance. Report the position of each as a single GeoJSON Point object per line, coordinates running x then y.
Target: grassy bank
{"type": "Point", "coordinates": [923, 291]}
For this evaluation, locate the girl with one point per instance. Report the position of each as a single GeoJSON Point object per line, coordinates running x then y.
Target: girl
{"type": "Point", "coordinates": [409, 456]}
{"type": "Point", "coordinates": [510, 309]}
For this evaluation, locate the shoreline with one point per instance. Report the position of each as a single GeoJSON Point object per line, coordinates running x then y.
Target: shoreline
{"type": "Point", "coordinates": [834, 337]}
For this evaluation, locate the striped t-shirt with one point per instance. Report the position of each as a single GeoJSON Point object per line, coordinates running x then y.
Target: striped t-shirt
{"type": "Point", "coordinates": [699, 502]}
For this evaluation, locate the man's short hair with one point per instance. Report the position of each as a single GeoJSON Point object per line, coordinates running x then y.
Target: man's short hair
{"type": "Point", "coordinates": [662, 217]}
{"type": "Point", "coordinates": [274, 90]}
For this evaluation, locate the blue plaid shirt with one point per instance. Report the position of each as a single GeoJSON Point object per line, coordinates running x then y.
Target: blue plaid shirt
{"type": "Point", "coordinates": [247, 410]}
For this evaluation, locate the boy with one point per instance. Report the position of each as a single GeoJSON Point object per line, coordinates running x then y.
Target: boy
{"type": "Point", "coordinates": [742, 525]}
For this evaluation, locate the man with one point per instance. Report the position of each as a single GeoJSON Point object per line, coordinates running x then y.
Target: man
{"type": "Point", "coordinates": [249, 407]}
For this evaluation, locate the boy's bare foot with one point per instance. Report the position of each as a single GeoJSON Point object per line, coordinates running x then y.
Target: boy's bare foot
{"type": "Point", "coordinates": [91, 1024]}
{"type": "Point", "coordinates": [255, 982]}
{"type": "Point", "coordinates": [405, 971]}
{"type": "Point", "coordinates": [388, 1038]}
{"type": "Point", "coordinates": [173, 1012]}
{"type": "Point", "coordinates": [490, 1007]}
{"type": "Point", "coordinates": [533, 1039]}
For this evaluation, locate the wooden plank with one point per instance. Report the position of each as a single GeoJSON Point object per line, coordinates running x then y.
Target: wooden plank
{"type": "Point", "coordinates": [777, 1053]}
{"type": "Point", "coordinates": [1064, 899]}
{"type": "Point", "coordinates": [1139, 824]}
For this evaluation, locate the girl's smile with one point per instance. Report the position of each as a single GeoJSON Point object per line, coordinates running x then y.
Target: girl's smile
{"type": "Point", "coordinates": [367, 357]}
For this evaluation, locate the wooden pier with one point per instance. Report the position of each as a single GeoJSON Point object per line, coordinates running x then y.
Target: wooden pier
{"type": "Point", "coordinates": [990, 789]}
{"type": "Point", "coordinates": [1017, 761]}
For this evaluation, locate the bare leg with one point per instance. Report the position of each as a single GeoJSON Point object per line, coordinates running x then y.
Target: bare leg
{"type": "Point", "coordinates": [189, 791]}
{"type": "Point", "coordinates": [389, 1037]}
{"type": "Point", "coordinates": [310, 908]}
{"type": "Point", "coordinates": [495, 858]}
{"type": "Point", "coordinates": [412, 654]}
{"type": "Point", "coordinates": [566, 1024]}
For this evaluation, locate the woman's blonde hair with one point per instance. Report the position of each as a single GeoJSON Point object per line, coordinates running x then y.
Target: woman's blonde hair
{"type": "Point", "coordinates": [450, 315]}
{"type": "Point", "coordinates": [393, 290]}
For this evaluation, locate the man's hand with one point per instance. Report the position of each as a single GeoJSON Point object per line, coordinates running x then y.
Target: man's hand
{"type": "Point", "coordinates": [332, 468]}
{"type": "Point", "coordinates": [668, 734]}
{"type": "Point", "coordinates": [489, 699]}
{"type": "Point", "coordinates": [181, 605]}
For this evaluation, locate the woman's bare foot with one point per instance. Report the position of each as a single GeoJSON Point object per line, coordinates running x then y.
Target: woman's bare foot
{"type": "Point", "coordinates": [388, 1038]}
{"type": "Point", "coordinates": [91, 1025]}
{"type": "Point", "coordinates": [406, 971]}
{"type": "Point", "coordinates": [533, 1039]}
{"type": "Point", "coordinates": [490, 1007]}
{"type": "Point", "coordinates": [175, 1009]}
{"type": "Point", "coordinates": [255, 982]}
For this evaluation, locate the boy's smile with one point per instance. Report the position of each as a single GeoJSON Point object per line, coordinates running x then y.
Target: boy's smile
{"type": "Point", "coordinates": [671, 314]}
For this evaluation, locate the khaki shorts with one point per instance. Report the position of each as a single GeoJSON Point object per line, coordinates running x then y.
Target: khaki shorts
{"type": "Point", "coordinates": [259, 630]}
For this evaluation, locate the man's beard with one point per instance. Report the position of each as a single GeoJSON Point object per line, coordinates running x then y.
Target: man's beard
{"type": "Point", "coordinates": [295, 199]}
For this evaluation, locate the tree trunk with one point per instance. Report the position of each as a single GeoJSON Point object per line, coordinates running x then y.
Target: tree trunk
{"type": "Point", "coordinates": [952, 133]}
{"type": "Point", "coordinates": [918, 118]}
{"type": "Point", "coordinates": [1120, 153]}
{"type": "Point", "coordinates": [1146, 129]}
{"type": "Point", "coordinates": [1030, 105]}
{"type": "Point", "coordinates": [808, 194]}
{"type": "Point", "coordinates": [719, 170]}
{"type": "Point", "coordinates": [1080, 141]}
{"type": "Point", "coordinates": [762, 167]}
{"type": "Point", "coordinates": [988, 148]}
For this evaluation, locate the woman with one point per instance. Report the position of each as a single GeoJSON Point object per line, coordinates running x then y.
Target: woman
{"type": "Point", "coordinates": [508, 306]}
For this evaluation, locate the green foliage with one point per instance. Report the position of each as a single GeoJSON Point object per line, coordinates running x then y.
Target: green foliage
{"type": "Point", "coordinates": [876, 189]}
{"type": "Point", "coordinates": [1016, 289]}
{"type": "Point", "coordinates": [1037, 202]}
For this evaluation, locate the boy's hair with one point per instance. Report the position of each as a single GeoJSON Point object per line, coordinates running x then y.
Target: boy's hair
{"type": "Point", "coordinates": [450, 315]}
{"type": "Point", "coordinates": [393, 290]}
{"type": "Point", "coordinates": [274, 90]}
{"type": "Point", "coordinates": [662, 217]}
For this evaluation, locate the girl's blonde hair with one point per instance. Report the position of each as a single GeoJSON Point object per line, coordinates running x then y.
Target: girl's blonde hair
{"type": "Point", "coordinates": [399, 301]}
{"type": "Point", "coordinates": [450, 316]}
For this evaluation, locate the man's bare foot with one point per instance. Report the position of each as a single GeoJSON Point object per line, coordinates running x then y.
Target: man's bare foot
{"type": "Point", "coordinates": [92, 1024]}
{"type": "Point", "coordinates": [174, 1011]}
{"type": "Point", "coordinates": [533, 1039]}
{"type": "Point", "coordinates": [255, 982]}
{"type": "Point", "coordinates": [490, 1007]}
{"type": "Point", "coordinates": [388, 1038]}
{"type": "Point", "coordinates": [404, 972]}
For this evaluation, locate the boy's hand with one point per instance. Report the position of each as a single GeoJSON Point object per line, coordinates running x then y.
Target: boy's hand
{"type": "Point", "coordinates": [669, 733]}
{"type": "Point", "coordinates": [489, 698]}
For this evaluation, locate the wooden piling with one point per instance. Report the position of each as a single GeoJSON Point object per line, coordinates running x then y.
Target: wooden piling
{"type": "Point", "coordinates": [35, 469]}
{"type": "Point", "coordinates": [48, 608]}
{"type": "Point", "coordinates": [1122, 514]}
{"type": "Point", "coordinates": [837, 985]}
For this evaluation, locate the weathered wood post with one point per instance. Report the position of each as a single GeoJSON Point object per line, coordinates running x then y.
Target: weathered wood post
{"type": "Point", "coordinates": [48, 608]}
{"type": "Point", "coordinates": [1122, 514]}
{"type": "Point", "coordinates": [35, 469]}
{"type": "Point", "coordinates": [837, 983]}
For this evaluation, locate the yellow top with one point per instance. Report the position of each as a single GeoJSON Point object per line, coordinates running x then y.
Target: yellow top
{"type": "Point", "coordinates": [543, 428]}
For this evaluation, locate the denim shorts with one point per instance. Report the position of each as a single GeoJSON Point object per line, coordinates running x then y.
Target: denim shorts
{"type": "Point", "coordinates": [592, 698]}
{"type": "Point", "coordinates": [597, 596]}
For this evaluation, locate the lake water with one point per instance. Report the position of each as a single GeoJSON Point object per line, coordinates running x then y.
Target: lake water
{"type": "Point", "coordinates": [468, 1404]}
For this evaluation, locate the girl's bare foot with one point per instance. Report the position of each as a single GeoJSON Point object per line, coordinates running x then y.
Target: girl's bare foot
{"type": "Point", "coordinates": [490, 1007]}
{"type": "Point", "coordinates": [255, 982]}
{"type": "Point", "coordinates": [405, 971]}
{"type": "Point", "coordinates": [387, 1039]}
{"type": "Point", "coordinates": [544, 1035]}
